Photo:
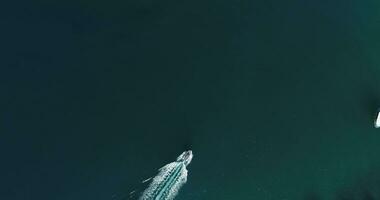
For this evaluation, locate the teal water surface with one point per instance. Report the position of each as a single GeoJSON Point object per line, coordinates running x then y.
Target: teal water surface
{"type": "Point", "coordinates": [275, 98]}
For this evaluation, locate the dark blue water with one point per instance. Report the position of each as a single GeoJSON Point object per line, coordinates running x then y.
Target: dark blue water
{"type": "Point", "coordinates": [276, 99]}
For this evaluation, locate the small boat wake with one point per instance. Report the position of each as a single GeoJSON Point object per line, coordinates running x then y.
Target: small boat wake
{"type": "Point", "coordinates": [169, 180]}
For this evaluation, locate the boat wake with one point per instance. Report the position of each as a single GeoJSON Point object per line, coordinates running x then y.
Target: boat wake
{"type": "Point", "coordinates": [169, 180]}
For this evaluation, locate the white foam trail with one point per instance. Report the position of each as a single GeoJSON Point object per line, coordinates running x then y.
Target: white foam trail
{"type": "Point", "coordinates": [169, 180]}
{"type": "Point", "coordinates": [146, 180]}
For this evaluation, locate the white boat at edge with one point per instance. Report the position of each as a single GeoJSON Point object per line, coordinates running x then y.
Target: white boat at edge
{"type": "Point", "coordinates": [377, 120]}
